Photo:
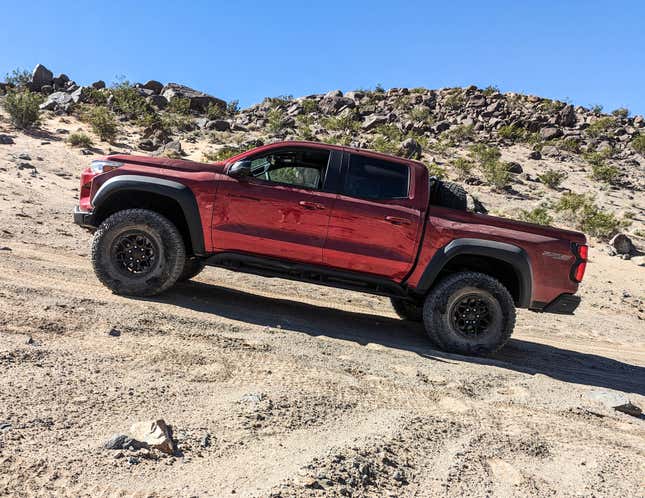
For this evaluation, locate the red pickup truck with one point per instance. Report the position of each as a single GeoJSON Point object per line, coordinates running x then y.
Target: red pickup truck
{"type": "Point", "coordinates": [334, 216]}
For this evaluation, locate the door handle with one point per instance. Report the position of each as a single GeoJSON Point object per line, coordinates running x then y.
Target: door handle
{"type": "Point", "coordinates": [395, 220]}
{"type": "Point", "coordinates": [311, 205]}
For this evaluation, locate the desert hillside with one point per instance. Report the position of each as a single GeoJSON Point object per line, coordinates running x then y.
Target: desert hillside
{"type": "Point", "coordinates": [275, 388]}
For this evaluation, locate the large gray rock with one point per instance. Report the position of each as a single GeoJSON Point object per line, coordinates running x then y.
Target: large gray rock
{"type": "Point", "coordinates": [199, 101]}
{"type": "Point", "coordinates": [567, 116]}
{"type": "Point", "coordinates": [58, 101]}
{"type": "Point", "coordinates": [411, 149]}
{"type": "Point", "coordinates": [333, 104]}
{"type": "Point", "coordinates": [622, 244]}
{"type": "Point", "coordinates": [153, 85]}
{"type": "Point", "coordinates": [5, 139]}
{"type": "Point", "coordinates": [373, 122]}
{"type": "Point", "coordinates": [618, 401]}
{"type": "Point", "coordinates": [550, 132]}
{"type": "Point", "coordinates": [39, 77]}
{"type": "Point", "coordinates": [98, 85]}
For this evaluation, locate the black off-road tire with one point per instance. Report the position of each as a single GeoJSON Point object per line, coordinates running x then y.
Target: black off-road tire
{"type": "Point", "coordinates": [450, 195]}
{"type": "Point", "coordinates": [165, 243]}
{"type": "Point", "coordinates": [447, 304]}
{"type": "Point", "coordinates": [192, 267]}
{"type": "Point", "coordinates": [407, 310]}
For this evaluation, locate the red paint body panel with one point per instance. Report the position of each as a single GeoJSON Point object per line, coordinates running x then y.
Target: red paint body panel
{"type": "Point", "coordinates": [395, 239]}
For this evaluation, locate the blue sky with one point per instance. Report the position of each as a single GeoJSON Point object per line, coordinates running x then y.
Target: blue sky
{"type": "Point", "coordinates": [589, 52]}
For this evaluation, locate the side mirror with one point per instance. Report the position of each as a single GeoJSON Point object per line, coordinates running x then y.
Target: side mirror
{"type": "Point", "coordinates": [240, 169]}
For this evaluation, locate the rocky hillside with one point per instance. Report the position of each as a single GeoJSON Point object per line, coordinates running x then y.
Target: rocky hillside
{"type": "Point", "coordinates": [537, 159]}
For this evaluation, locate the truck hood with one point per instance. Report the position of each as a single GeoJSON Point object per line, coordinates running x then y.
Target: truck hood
{"type": "Point", "coordinates": [164, 162]}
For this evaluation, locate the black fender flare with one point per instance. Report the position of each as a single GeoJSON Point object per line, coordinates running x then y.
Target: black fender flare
{"type": "Point", "coordinates": [179, 192]}
{"type": "Point", "coordinates": [508, 253]}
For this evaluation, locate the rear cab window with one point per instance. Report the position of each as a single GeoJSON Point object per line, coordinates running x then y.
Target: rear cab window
{"type": "Point", "coordinates": [378, 179]}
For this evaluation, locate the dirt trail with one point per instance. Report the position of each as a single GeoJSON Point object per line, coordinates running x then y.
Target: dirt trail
{"type": "Point", "coordinates": [302, 390]}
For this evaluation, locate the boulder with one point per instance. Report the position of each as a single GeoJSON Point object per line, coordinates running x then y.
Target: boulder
{"type": "Point", "coordinates": [158, 101]}
{"type": "Point", "coordinates": [98, 85]}
{"type": "Point", "coordinates": [373, 122]}
{"type": "Point", "coordinates": [60, 82]}
{"type": "Point", "coordinates": [617, 401]}
{"type": "Point", "coordinates": [218, 125]}
{"type": "Point", "coordinates": [156, 434]}
{"type": "Point", "coordinates": [567, 116]}
{"type": "Point", "coordinates": [535, 154]}
{"type": "Point", "coordinates": [411, 149]}
{"type": "Point", "coordinates": [153, 85]}
{"type": "Point", "coordinates": [58, 101]}
{"type": "Point", "coordinates": [199, 101]}
{"type": "Point", "coordinates": [514, 167]}
{"type": "Point", "coordinates": [5, 139]}
{"type": "Point", "coordinates": [47, 89]}
{"type": "Point", "coordinates": [333, 104]}
{"type": "Point", "coordinates": [550, 132]}
{"type": "Point", "coordinates": [39, 77]}
{"type": "Point", "coordinates": [622, 244]}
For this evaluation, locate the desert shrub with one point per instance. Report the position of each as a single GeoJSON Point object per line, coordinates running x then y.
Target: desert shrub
{"type": "Point", "coordinates": [23, 107]}
{"type": "Point", "coordinates": [79, 140]}
{"type": "Point", "coordinates": [483, 153]}
{"type": "Point", "coordinates": [280, 100]}
{"type": "Point", "coordinates": [275, 120]}
{"type": "Point", "coordinates": [490, 90]}
{"type": "Point", "coordinates": [455, 100]}
{"type": "Point", "coordinates": [588, 217]}
{"type": "Point", "coordinates": [381, 143]}
{"type": "Point", "coordinates": [435, 169]}
{"type": "Point", "coordinates": [215, 111]}
{"type": "Point", "coordinates": [222, 154]}
{"type": "Point", "coordinates": [128, 101]}
{"type": "Point", "coordinates": [458, 134]}
{"type": "Point", "coordinates": [511, 132]}
{"type": "Point", "coordinates": [621, 112]}
{"type": "Point", "coordinates": [179, 106]}
{"type": "Point", "coordinates": [539, 215]}
{"type": "Point", "coordinates": [570, 145]}
{"type": "Point", "coordinates": [379, 88]}
{"type": "Point", "coordinates": [309, 106]}
{"type": "Point", "coordinates": [18, 77]}
{"type": "Point", "coordinates": [344, 122]}
{"type": "Point", "coordinates": [463, 166]}
{"type": "Point", "coordinates": [420, 113]}
{"type": "Point", "coordinates": [596, 108]}
{"type": "Point", "coordinates": [496, 174]}
{"type": "Point", "coordinates": [233, 107]}
{"type": "Point", "coordinates": [598, 158]}
{"type": "Point", "coordinates": [95, 96]}
{"type": "Point", "coordinates": [638, 144]}
{"type": "Point", "coordinates": [103, 122]}
{"type": "Point", "coordinates": [552, 178]}
{"type": "Point", "coordinates": [551, 106]}
{"type": "Point", "coordinates": [601, 126]}
{"type": "Point", "coordinates": [605, 172]}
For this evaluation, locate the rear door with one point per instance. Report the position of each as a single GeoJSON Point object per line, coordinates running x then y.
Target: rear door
{"type": "Point", "coordinates": [374, 223]}
{"type": "Point", "coordinates": [282, 210]}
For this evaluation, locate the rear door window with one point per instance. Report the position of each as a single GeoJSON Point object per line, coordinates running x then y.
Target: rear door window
{"type": "Point", "coordinates": [370, 178]}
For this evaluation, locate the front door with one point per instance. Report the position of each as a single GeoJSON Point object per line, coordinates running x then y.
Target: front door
{"type": "Point", "coordinates": [281, 210]}
{"type": "Point", "coordinates": [374, 225]}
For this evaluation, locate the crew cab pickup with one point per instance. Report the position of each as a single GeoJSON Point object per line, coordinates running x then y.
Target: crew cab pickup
{"type": "Point", "coordinates": [334, 216]}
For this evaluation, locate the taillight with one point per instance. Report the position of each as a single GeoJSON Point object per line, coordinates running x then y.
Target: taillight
{"type": "Point", "coordinates": [579, 267]}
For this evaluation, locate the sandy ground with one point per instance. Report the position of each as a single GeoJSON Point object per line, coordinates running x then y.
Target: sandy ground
{"type": "Point", "coordinates": [275, 388]}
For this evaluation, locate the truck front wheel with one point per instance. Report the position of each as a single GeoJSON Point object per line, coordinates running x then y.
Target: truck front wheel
{"type": "Point", "coordinates": [469, 313]}
{"type": "Point", "coordinates": [138, 252]}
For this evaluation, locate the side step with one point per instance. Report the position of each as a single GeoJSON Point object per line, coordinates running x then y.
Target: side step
{"type": "Point", "coordinates": [302, 272]}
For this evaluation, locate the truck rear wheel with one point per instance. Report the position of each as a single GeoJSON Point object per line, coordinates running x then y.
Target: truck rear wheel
{"type": "Point", "coordinates": [407, 310]}
{"type": "Point", "coordinates": [137, 252]}
{"type": "Point", "coordinates": [469, 313]}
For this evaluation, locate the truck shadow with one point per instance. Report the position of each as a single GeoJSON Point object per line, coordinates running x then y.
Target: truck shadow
{"type": "Point", "coordinates": [363, 328]}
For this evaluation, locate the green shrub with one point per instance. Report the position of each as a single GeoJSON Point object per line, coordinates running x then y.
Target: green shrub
{"type": "Point", "coordinates": [605, 172]}
{"type": "Point", "coordinates": [552, 178]}
{"type": "Point", "coordinates": [539, 215]}
{"type": "Point", "coordinates": [455, 100]}
{"type": "Point", "coordinates": [222, 154]}
{"type": "Point", "coordinates": [128, 101]}
{"type": "Point", "coordinates": [95, 96]}
{"type": "Point", "coordinates": [215, 111]}
{"type": "Point", "coordinates": [280, 100]}
{"type": "Point", "coordinates": [275, 120]}
{"type": "Point", "coordinates": [601, 126]}
{"type": "Point", "coordinates": [103, 122]}
{"type": "Point", "coordinates": [436, 170]}
{"type": "Point", "coordinates": [345, 122]}
{"type": "Point", "coordinates": [588, 217]}
{"type": "Point", "coordinates": [233, 107]}
{"type": "Point", "coordinates": [596, 108]}
{"type": "Point", "coordinates": [383, 144]}
{"type": "Point", "coordinates": [621, 112]}
{"type": "Point", "coordinates": [463, 166]}
{"type": "Point", "coordinates": [420, 113]}
{"type": "Point", "coordinates": [483, 153]}
{"type": "Point", "coordinates": [511, 132]}
{"type": "Point", "coordinates": [570, 145]}
{"type": "Point", "coordinates": [179, 106]}
{"type": "Point", "coordinates": [490, 90]}
{"type": "Point", "coordinates": [309, 106]}
{"type": "Point", "coordinates": [638, 144]}
{"type": "Point", "coordinates": [23, 107]}
{"type": "Point", "coordinates": [496, 174]}
{"type": "Point", "coordinates": [551, 106]}
{"type": "Point", "coordinates": [79, 140]}
{"type": "Point", "coordinates": [18, 77]}
{"type": "Point", "coordinates": [598, 158]}
{"type": "Point", "coordinates": [458, 134]}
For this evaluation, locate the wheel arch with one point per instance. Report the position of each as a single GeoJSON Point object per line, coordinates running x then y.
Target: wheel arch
{"type": "Point", "coordinates": [171, 199]}
{"type": "Point", "coordinates": [508, 263]}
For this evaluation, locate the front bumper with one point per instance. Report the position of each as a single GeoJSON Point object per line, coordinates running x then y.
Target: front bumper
{"type": "Point", "coordinates": [84, 218]}
{"type": "Point", "coordinates": [564, 304]}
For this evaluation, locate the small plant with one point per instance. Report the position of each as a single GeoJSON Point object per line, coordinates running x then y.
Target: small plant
{"type": "Point", "coordinates": [18, 77]}
{"type": "Point", "coordinates": [601, 126]}
{"type": "Point", "coordinates": [179, 106]}
{"type": "Point", "coordinates": [483, 153]}
{"type": "Point", "coordinates": [638, 144]}
{"type": "Point", "coordinates": [552, 178]}
{"type": "Point", "coordinates": [215, 111]}
{"type": "Point", "coordinates": [79, 140]}
{"type": "Point", "coordinates": [345, 122]}
{"type": "Point", "coordinates": [23, 107]}
{"type": "Point", "coordinates": [420, 113]}
{"type": "Point", "coordinates": [588, 217]}
{"type": "Point", "coordinates": [309, 106]}
{"type": "Point", "coordinates": [596, 109]}
{"type": "Point", "coordinates": [496, 174]}
{"type": "Point", "coordinates": [598, 158]}
{"type": "Point", "coordinates": [103, 123]}
{"type": "Point", "coordinates": [233, 107]}
{"type": "Point", "coordinates": [128, 101]}
{"type": "Point", "coordinates": [379, 88]}
{"type": "Point", "coordinates": [621, 112]}
{"type": "Point", "coordinates": [436, 170]}
{"type": "Point", "coordinates": [383, 144]}
{"type": "Point", "coordinates": [463, 166]}
{"type": "Point", "coordinates": [539, 215]}
{"type": "Point", "coordinates": [605, 172]}
{"type": "Point", "coordinates": [511, 132]}
{"type": "Point", "coordinates": [458, 134]}
{"type": "Point", "coordinates": [570, 145]}
{"type": "Point", "coordinates": [455, 100]}
{"type": "Point", "coordinates": [490, 90]}
{"type": "Point", "coordinates": [280, 100]}
{"type": "Point", "coordinates": [275, 120]}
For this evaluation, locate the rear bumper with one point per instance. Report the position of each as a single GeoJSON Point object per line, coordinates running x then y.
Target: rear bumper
{"type": "Point", "coordinates": [84, 218]}
{"type": "Point", "coordinates": [564, 304]}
